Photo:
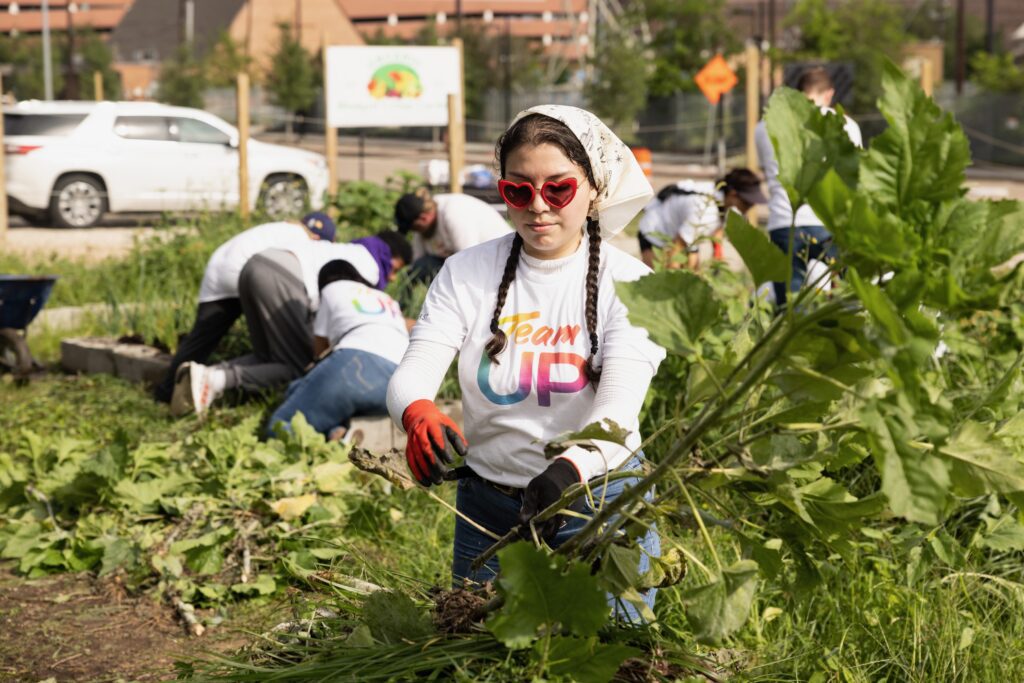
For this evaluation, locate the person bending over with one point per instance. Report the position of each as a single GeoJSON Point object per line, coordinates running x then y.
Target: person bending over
{"type": "Point", "coordinates": [219, 305]}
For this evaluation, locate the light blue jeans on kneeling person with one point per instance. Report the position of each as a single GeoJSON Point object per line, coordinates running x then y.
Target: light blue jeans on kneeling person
{"type": "Point", "coordinates": [346, 384]}
{"type": "Point", "coordinates": [498, 512]}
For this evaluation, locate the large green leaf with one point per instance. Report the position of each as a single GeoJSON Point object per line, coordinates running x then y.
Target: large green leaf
{"type": "Point", "coordinates": [674, 307]}
{"type": "Point", "coordinates": [718, 609]}
{"type": "Point", "coordinates": [764, 260]}
{"type": "Point", "coordinates": [586, 660]}
{"type": "Point", "coordinates": [981, 463]}
{"type": "Point", "coordinates": [540, 592]}
{"type": "Point", "coordinates": [394, 617]}
{"type": "Point", "coordinates": [807, 143]}
{"type": "Point", "coordinates": [921, 156]}
{"type": "Point", "coordinates": [916, 482]}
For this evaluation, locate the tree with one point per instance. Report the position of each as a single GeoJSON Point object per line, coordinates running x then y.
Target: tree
{"type": "Point", "coordinates": [225, 61]}
{"type": "Point", "coordinates": [997, 73]}
{"type": "Point", "coordinates": [182, 79]}
{"type": "Point", "coordinates": [861, 32]}
{"type": "Point", "coordinates": [684, 35]}
{"type": "Point", "coordinates": [291, 80]}
{"type": "Point", "coordinates": [25, 55]}
{"type": "Point", "coordinates": [619, 91]}
{"type": "Point", "coordinates": [96, 56]}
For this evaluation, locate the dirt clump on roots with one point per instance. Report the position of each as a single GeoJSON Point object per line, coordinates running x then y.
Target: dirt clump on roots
{"type": "Point", "coordinates": [458, 610]}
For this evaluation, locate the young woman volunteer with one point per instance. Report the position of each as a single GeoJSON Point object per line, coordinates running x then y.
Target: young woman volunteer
{"type": "Point", "coordinates": [544, 343]}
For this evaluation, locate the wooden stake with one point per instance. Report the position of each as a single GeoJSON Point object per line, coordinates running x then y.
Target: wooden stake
{"type": "Point", "coordinates": [97, 85]}
{"type": "Point", "coordinates": [457, 127]}
{"type": "Point", "coordinates": [927, 79]}
{"type": "Point", "coordinates": [330, 132]}
{"type": "Point", "coordinates": [243, 145]}
{"type": "Point", "coordinates": [3, 179]}
{"type": "Point", "coordinates": [753, 101]}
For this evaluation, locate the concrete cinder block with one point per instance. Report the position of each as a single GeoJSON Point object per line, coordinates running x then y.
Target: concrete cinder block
{"type": "Point", "coordinates": [91, 355]}
{"type": "Point", "coordinates": [139, 363]}
{"type": "Point", "coordinates": [103, 355]}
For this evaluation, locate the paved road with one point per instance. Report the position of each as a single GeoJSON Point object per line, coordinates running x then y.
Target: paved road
{"type": "Point", "coordinates": [382, 159]}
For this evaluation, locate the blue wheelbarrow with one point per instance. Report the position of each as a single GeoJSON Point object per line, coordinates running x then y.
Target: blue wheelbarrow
{"type": "Point", "coordinates": [21, 299]}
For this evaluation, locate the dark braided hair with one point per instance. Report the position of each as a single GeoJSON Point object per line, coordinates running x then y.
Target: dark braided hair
{"type": "Point", "coordinates": [534, 130]}
{"type": "Point", "coordinates": [593, 267]}
{"type": "Point", "coordinates": [498, 341]}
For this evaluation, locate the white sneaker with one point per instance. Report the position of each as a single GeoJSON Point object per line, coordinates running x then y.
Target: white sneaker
{"type": "Point", "coordinates": [203, 393]}
{"type": "Point", "coordinates": [181, 399]}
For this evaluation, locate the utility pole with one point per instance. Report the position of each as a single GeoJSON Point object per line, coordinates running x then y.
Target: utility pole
{"type": "Point", "coordinates": [47, 64]}
{"type": "Point", "coordinates": [990, 26]}
{"type": "Point", "coordinates": [508, 69]}
{"type": "Point", "coordinates": [960, 47]}
{"type": "Point", "coordinates": [71, 83]}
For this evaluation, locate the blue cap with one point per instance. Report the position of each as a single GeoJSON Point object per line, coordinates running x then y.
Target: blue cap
{"type": "Point", "coordinates": [320, 224]}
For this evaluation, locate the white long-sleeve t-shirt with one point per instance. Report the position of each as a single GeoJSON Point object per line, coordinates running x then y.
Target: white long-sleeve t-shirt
{"type": "Point", "coordinates": [462, 222]}
{"type": "Point", "coordinates": [780, 210]}
{"type": "Point", "coordinates": [538, 390]}
{"type": "Point", "coordinates": [220, 279]}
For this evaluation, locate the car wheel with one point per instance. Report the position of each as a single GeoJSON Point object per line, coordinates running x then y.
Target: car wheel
{"type": "Point", "coordinates": [78, 201]}
{"type": "Point", "coordinates": [284, 196]}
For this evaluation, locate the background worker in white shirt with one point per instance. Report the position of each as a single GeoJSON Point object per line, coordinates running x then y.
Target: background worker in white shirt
{"type": "Point", "coordinates": [811, 240]}
{"type": "Point", "coordinates": [443, 225]}
{"type": "Point", "coordinates": [686, 212]}
{"type": "Point", "coordinates": [363, 335]}
{"type": "Point", "coordinates": [219, 305]}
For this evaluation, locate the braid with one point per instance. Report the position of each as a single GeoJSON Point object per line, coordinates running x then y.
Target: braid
{"type": "Point", "coordinates": [497, 343]}
{"type": "Point", "coordinates": [593, 266]}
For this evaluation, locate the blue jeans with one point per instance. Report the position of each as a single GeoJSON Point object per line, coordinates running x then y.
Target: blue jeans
{"type": "Point", "coordinates": [347, 383]}
{"type": "Point", "coordinates": [809, 242]}
{"type": "Point", "coordinates": [499, 512]}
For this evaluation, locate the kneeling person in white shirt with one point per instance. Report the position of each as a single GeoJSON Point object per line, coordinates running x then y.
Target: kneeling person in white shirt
{"type": "Point", "coordinates": [364, 334]}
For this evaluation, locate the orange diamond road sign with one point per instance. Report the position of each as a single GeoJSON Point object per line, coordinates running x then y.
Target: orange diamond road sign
{"type": "Point", "coordinates": [716, 79]}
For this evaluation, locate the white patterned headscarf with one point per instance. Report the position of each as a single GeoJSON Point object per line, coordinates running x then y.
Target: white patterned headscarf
{"type": "Point", "coordinates": [622, 188]}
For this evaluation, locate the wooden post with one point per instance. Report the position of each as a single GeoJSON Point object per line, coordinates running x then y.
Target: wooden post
{"type": "Point", "coordinates": [753, 101]}
{"type": "Point", "coordinates": [456, 143]}
{"type": "Point", "coordinates": [243, 145]}
{"type": "Point", "coordinates": [3, 178]}
{"type": "Point", "coordinates": [97, 85]}
{"type": "Point", "coordinates": [927, 79]}
{"type": "Point", "coordinates": [457, 128]}
{"type": "Point", "coordinates": [330, 132]}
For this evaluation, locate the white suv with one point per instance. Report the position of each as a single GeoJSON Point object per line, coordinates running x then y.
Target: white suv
{"type": "Point", "coordinates": [75, 161]}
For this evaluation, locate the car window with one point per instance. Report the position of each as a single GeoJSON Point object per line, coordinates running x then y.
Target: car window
{"type": "Point", "coordinates": [193, 130]}
{"type": "Point", "coordinates": [142, 127]}
{"type": "Point", "coordinates": [41, 124]}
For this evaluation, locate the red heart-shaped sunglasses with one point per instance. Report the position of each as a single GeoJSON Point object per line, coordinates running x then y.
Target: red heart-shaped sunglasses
{"type": "Point", "coordinates": [555, 193]}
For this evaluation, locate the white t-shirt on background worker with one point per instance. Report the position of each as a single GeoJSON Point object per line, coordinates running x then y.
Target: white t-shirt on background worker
{"type": "Point", "coordinates": [462, 222]}
{"type": "Point", "coordinates": [220, 279]}
{"type": "Point", "coordinates": [780, 211]}
{"type": "Point", "coordinates": [313, 256]}
{"type": "Point", "coordinates": [688, 215]}
{"type": "Point", "coordinates": [354, 316]}
{"type": "Point", "coordinates": [539, 389]}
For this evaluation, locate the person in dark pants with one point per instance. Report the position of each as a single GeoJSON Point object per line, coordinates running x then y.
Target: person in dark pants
{"type": "Point", "coordinates": [219, 305]}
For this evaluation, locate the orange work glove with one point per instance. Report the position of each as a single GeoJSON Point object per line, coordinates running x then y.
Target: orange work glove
{"type": "Point", "coordinates": [426, 428]}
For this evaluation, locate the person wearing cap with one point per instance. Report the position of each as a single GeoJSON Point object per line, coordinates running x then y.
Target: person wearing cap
{"type": "Point", "coordinates": [536, 321]}
{"type": "Point", "coordinates": [443, 225]}
{"type": "Point", "coordinates": [359, 338]}
{"type": "Point", "coordinates": [810, 239]}
{"type": "Point", "coordinates": [219, 304]}
{"type": "Point", "coordinates": [686, 212]}
{"type": "Point", "coordinates": [279, 294]}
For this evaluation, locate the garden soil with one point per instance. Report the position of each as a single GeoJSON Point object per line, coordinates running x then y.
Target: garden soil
{"type": "Point", "coordinates": [73, 627]}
